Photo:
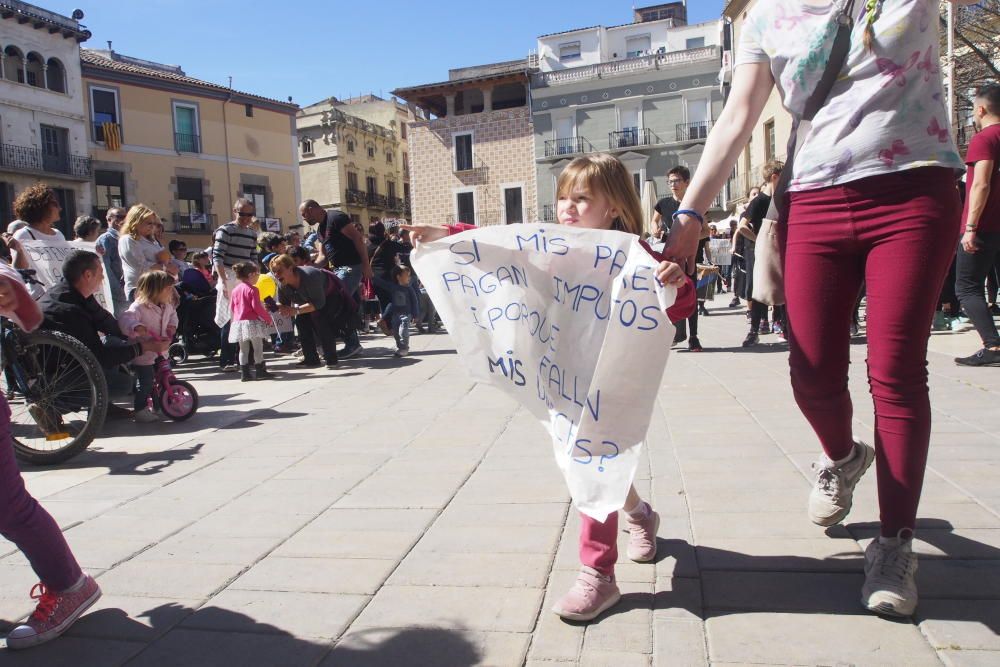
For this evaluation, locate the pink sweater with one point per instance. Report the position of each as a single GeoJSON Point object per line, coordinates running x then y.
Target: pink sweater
{"type": "Point", "coordinates": [245, 304]}
{"type": "Point", "coordinates": [160, 321]}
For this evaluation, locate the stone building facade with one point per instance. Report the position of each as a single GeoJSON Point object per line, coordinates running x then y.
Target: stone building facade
{"type": "Point", "coordinates": [473, 161]}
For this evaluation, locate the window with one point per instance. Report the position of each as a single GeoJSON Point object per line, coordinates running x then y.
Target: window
{"type": "Point", "coordinates": [513, 205]}
{"type": "Point", "coordinates": [186, 134]}
{"type": "Point", "coordinates": [110, 191]}
{"type": "Point", "coordinates": [352, 181]}
{"type": "Point", "coordinates": [258, 195]}
{"type": "Point", "coordinates": [569, 51]}
{"type": "Point", "coordinates": [465, 207]}
{"type": "Point", "coordinates": [67, 202]}
{"type": "Point", "coordinates": [695, 43]}
{"type": "Point", "coordinates": [390, 189]}
{"type": "Point", "coordinates": [637, 46]}
{"type": "Point", "coordinates": [388, 157]}
{"type": "Point", "coordinates": [406, 165]}
{"type": "Point", "coordinates": [13, 65]}
{"type": "Point", "coordinates": [56, 76]}
{"type": "Point", "coordinates": [406, 191]}
{"type": "Point", "coordinates": [6, 204]}
{"type": "Point", "coordinates": [770, 146]}
{"type": "Point", "coordinates": [35, 70]}
{"type": "Point", "coordinates": [371, 151]}
{"type": "Point", "coordinates": [55, 156]}
{"type": "Point", "coordinates": [355, 219]}
{"type": "Point", "coordinates": [248, 109]}
{"type": "Point", "coordinates": [371, 182]}
{"type": "Point", "coordinates": [402, 130]}
{"type": "Point", "coordinates": [463, 151]}
{"type": "Point", "coordinates": [103, 109]}
{"type": "Point", "coordinates": [191, 202]}
{"type": "Point", "coordinates": [350, 145]}
{"type": "Point", "coordinates": [307, 147]}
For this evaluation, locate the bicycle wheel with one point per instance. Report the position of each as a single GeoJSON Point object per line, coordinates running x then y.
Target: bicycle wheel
{"type": "Point", "coordinates": [180, 401]}
{"type": "Point", "coordinates": [177, 354]}
{"type": "Point", "coordinates": [58, 397]}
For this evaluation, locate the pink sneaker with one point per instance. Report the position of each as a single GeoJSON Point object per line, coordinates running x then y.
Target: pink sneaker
{"type": "Point", "coordinates": [642, 536]}
{"type": "Point", "coordinates": [590, 596]}
{"type": "Point", "coordinates": [55, 612]}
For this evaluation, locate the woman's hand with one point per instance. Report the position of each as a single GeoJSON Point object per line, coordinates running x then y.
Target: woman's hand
{"type": "Point", "coordinates": [286, 311]}
{"type": "Point", "coordinates": [425, 233]}
{"type": "Point", "coordinates": [682, 242]}
{"type": "Point", "coordinates": [969, 242]}
{"type": "Point", "coordinates": [670, 273]}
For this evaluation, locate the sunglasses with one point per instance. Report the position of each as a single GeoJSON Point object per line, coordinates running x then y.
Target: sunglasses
{"type": "Point", "coordinates": [245, 215]}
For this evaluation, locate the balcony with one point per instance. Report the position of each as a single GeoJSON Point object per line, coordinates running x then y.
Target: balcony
{"type": "Point", "coordinates": [548, 213]}
{"type": "Point", "coordinates": [187, 143]}
{"type": "Point", "coordinates": [568, 146]}
{"type": "Point", "coordinates": [375, 200]}
{"type": "Point", "coordinates": [195, 222]}
{"type": "Point", "coordinates": [632, 136]}
{"type": "Point", "coordinates": [707, 54]}
{"type": "Point", "coordinates": [33, 160]}
{"type": "Point", "coordinates": [356, 197]}
{"type": "Point", "coordinates": [693, 131]}
{"type": "Point", "coordinates": [407, 209]}
{"type": "Point", "coordinates": [394, 203]}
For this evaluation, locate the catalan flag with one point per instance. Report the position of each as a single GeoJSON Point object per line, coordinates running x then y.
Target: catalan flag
{"type": "Point", "coordinates": [112, 136]}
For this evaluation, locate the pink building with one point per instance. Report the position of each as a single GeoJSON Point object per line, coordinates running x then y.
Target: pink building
{"type": "Point", "coordinates": [474, 160]}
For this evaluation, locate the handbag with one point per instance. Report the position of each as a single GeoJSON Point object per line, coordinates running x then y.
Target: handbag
{"type": "Point", "coordinates": [769, 249]}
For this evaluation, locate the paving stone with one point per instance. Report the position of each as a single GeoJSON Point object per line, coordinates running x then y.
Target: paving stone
{"type": "Point", "coordinates": [313, 543]}
{"type": "Point", "coordinates": [490, 539]}
{"type": "Point", "coordinates": [965, 624]}
{"type": "Point", "coordinates": [739, 525]}
{"type": "Point", "coordinates": [613, 659]}
{"type": "Point", "coordinates": [472, 569]}
{"type": "Point", "coordinates": [959, 579]}
{"type": "Point", "coordinates": [305, 615]}
{"type": "Point", "coordinates": [441, 647]}
{"type": "Point", "coordinates": [679, 642]}
{"type": "Point", "coordinates": [207, 549]}
{"type": "Point", "coordinates": [815, 639]}
{"type": "Point", "coordinates": [319, 575]}
{"type": "Point", "coordinates": [257, 644]}
{"type": "Point", "coordinates": [806, 592]}
{"type": "Point", "coordinates": [970, 658]}
{"type": "Point", "coordinates": [678, 598]}
{"type": "Point", "coordinates": [139, 619]}
{"type": "Point", "coordinates": [487, 609]}
{"type": "Point", "coordinates": [167, 578]}
{"type": "Point", "coordinates": [780, 554]}
{"type": "Point", "coordinates": [73, 652]}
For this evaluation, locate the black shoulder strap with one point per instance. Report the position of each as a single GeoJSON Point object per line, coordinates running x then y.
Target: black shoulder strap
{"type": "Point", "coordinates": [838, 57]}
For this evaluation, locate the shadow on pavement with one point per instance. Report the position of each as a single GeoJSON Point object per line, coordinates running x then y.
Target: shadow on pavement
{"type": "Point", "coordinates": [123, 463]}
{"type": "Point", "coordinates": [173, 634]}
{"type": "Point", "coordinates": [950, 584]}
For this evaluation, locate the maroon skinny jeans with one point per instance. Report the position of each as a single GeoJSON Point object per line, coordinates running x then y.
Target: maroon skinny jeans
{"type": "Point", "coordinates": [898, 232]}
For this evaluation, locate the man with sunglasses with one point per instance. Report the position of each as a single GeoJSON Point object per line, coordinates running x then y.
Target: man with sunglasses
{"type": "Point", "coordinates": [112, 260]}
{"type": "Point", "coordinates": [233, 242]}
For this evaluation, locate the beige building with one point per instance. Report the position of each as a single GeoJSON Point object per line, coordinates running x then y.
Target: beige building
{"type": "Point", "coordinates": [770, 136]}
{"type": "Point", "coordinates": [474, 161]}
{"type": "Point", "coordinates": [185, 147]}
{"type": "Point", "coordinates": [42, 127]}
{"type": "Point", "coordinates": [354, 156]}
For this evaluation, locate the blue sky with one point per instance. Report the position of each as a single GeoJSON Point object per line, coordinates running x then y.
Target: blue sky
{"type": "Point", "coordinates": [311, 49]}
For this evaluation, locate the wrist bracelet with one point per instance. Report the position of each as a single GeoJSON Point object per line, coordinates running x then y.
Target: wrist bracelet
{"type": "Point", "coordinates": [688, 212]}
{"type": "Point", "coordinates": [971, 229]}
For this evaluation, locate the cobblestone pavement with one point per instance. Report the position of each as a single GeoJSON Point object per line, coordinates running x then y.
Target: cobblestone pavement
{"type": "Point", "coordinates": [395, 513]}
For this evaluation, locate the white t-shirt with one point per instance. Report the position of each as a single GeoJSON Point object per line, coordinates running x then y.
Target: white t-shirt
{"type": "Point", "coordinates": [887, 110]}
{"type": "Point", "coordinates": [31, 234]}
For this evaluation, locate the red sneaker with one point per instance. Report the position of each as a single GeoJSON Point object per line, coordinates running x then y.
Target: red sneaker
{"type": "Point", "coordinates": [56, 611]}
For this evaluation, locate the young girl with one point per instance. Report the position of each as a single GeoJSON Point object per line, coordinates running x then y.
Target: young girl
{"type": "Point", "coordinates": [596, 192]}
{"type": "Point", "coordinates": [151, 316]}
{"type": "Point", "coordinates": [251, 323]}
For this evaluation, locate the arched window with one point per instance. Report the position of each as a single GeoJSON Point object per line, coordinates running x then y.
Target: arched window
{"type": "Point", "coordinates": [56, 76]}
{"type": "Point", "coordinates": [388, 157]}
{"type": "Point", "coordinates": [307, 146]}
{"type": "Point", "coordinates": [35, 70]}
{"type": "Point", "coordinates": [350, 145]}
{"type": "Point", "coordinates": [371, 150]}
{"type": "Point", "coordinates": [13, 64]}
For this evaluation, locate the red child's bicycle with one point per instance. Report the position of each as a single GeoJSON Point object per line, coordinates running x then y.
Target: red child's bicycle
{"type": "Point", "coordinates": [175, 399]}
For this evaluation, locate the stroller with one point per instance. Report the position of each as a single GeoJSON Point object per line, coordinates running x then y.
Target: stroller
{"type": "Point", "coordinates": [197, 332]}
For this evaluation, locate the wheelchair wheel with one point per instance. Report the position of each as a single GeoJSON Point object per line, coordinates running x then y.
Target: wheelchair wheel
{"type": "Point", "coordinates": [177, 354]}
{"type": "Point", "coordinates": [179, 402]}
{"type": "Point", "coordinates": [58, 396]}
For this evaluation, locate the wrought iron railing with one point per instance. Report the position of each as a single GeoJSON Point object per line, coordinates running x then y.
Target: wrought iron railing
{"type": "Point", "coordinates": [568, 146]}
{"type": "Point", "coordinates": [632, 136]}
{"type": "Point", "coordinates": [548, 213]}
{"type": "Point", "coordinates": [356, 197]}
{"type": "Point", "coordinates": [28, 158]}
{"type": "Point", "coordinates": [693, 131]}
{"type": "Point", "coordinates": [394, 203]}
{"type": "Point", "coordinates": [187, 143]}
{"type": "Point", "coordinates": [407, 207]}
{"type": "Point", "coordinates": [195, 222]}
{"type": "Point", "coordinates": [375, 200]}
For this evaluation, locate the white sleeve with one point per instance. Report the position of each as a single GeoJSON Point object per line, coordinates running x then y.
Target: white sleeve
{"type": "Point", "coordinates": [750, 49]}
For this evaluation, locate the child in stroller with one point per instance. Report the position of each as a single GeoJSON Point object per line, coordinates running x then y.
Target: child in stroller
{"type": "Point", "coordinates": [197, 332]}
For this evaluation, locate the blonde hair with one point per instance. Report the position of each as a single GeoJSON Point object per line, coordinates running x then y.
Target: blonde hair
{"type": "Point", "coordinates": [150, 284]}
{"type": "Point", "coordinates": [281, 261]}
{"type": "Point", "coordinates": [134, 218]}
{"type": "Point", "coordinates": [605, 174]}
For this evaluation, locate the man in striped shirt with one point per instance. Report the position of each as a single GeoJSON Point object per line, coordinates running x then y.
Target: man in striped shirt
{"type": "Point", "coordinates": [233, 242]}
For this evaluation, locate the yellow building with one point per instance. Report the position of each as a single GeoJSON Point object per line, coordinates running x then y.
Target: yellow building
{"type": "Point", "coordinates": [770, 135]}
{"type": "Point", "coordinates": [354, 156]}
{"type": "Point", "coordinates": [185, 147]}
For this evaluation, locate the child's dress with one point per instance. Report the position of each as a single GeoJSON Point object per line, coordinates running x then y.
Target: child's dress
{"type": "Point", "coordinates": [251, 321]}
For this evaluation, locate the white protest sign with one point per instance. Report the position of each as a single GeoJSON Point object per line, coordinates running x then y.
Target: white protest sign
{"type": "Point", "coordinates": [571, 323]}
{"type": "Point", "coordinates": [46, 257]}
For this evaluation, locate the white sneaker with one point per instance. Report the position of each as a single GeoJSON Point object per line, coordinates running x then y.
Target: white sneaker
{"type": "Point", "coordinates": [890, 577]}
{"type": "Point", "coordinates": [146, 416]}
{"type": "Point", "coordinates": [833, 490]}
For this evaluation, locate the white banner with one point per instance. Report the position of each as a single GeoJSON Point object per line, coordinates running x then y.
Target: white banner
{"type": "Point", "coordinates": [46, 257]}
{"type": "Point", "coordinates": [571, 323]}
